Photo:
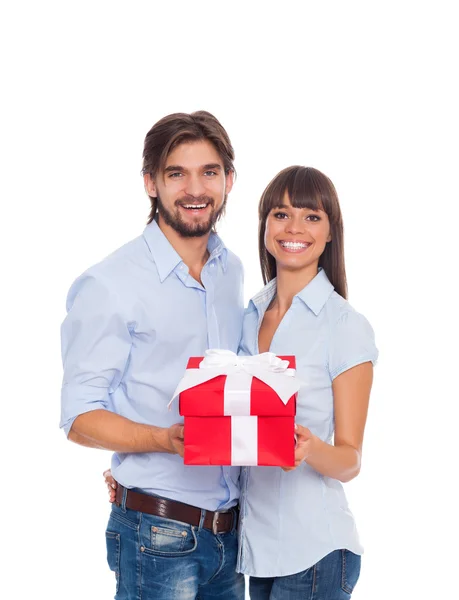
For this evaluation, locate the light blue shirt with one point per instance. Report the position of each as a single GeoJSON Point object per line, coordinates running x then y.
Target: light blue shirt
{"type": "Point", "coordinates": [133, 321]}
{"type": "Point", "coordinates": [289, 521]}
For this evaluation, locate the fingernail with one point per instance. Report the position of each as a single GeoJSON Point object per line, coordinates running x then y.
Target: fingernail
{"type": "Point", "coordinates": [296, 426]}
{"type": "Point", "coordinates": [113, 486]}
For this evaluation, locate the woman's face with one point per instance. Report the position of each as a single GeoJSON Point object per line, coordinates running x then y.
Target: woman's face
{"type": "Point", "coordinates": [296, 237]}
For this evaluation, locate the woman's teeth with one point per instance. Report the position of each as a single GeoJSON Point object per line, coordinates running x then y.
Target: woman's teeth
{"type": "Point", "coordinates": [294, 245]}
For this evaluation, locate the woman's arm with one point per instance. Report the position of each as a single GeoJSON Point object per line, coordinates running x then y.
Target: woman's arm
{"type": "Point", "coordinates": [351, 393]}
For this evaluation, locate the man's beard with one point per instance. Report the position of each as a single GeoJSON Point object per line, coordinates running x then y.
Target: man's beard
{"type": "Point", "coordinates": [174, 218]}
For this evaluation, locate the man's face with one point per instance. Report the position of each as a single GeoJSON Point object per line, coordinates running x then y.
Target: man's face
{"type": "Point", "coordinates": [192, 188]}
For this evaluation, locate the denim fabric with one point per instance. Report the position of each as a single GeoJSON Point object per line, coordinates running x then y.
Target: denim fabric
{"type": "Point", "coordinates": [160, 559]}
{"type": "Point", "coordinates": [332, 578]}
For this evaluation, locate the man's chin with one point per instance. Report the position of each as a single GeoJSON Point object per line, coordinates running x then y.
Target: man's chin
{"type": "Point", "coordinates": [196, 231]}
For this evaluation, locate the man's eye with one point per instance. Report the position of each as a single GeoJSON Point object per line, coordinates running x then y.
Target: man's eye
{"type": "Point", "coordinates": [210, 173]}
{"type": "Point", "coordinates": [175, 175]}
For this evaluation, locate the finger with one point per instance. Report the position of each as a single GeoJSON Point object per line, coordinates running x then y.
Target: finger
{"type": "Point", "coordinates": [302, 431]}
{"type": "Point", "coordinates": [177, 430]}
{"type": "Point", "coordinates": [180, 449]}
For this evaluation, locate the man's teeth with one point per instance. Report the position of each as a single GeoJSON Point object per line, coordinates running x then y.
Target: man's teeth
{"type": "Point", "coordinates": [294, 245]}
{"type": "Point", "coordinates": [194, 205]}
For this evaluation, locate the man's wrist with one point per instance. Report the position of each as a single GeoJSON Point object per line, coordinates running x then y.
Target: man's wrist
{"type": "Point", "coordinates": [163, 440]}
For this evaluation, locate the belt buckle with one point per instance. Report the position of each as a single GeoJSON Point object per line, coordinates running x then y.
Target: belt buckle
{"type": "Point", "coordinates": [215, 522]}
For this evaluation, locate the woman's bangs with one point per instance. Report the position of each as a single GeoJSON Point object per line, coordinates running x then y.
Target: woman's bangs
{"type": "Point", "coordinates": [303, 193]}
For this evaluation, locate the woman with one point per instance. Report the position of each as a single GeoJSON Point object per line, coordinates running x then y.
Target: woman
{"type": "Point", "coordinates": [297, 536]}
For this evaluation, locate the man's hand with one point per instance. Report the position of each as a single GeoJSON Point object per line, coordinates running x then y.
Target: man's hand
{"type": "Point", "coordinates": [111, 485]}
{"type": "Point", "coordinates": [305, 442]}
{"type": "Point", "coordinates": [175, 435]}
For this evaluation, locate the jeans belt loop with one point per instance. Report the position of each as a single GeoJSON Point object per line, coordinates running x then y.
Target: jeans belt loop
{"type": "Point", "coordinates": [215, 522]}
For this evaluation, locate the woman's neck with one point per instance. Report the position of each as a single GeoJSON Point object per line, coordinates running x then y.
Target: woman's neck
{"type": "Point", "coordinates": [288, 284]}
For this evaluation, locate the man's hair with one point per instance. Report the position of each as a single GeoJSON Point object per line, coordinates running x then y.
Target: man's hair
{"type": "Point", "coordinates": [180, 128]}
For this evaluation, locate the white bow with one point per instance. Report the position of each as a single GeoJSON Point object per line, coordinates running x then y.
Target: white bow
{"type": "Point", "coordinates": [267, 367]}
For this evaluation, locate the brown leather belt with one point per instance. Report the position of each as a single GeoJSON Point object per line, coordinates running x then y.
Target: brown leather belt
{"type": "Point", "coordinates": [217, 522]}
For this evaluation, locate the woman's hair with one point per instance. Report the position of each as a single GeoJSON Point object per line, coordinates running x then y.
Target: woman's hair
{"type": "Point", "coordinates": [306, 188]}
{"type": "Point", "coordinates": [180, 128]}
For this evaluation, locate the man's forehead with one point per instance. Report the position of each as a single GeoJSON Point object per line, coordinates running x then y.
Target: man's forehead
{"type": "Point", "coordinates": [194, 154]}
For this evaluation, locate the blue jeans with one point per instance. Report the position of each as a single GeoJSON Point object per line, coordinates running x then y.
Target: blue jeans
{"type": "Point", "coordinates": [159, 559]}
{"type": "Point", "coordinates": [332, 578]}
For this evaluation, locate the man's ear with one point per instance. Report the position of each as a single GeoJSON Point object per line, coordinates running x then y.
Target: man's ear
{"type": "Point", "coordinates": [150, 185]}
{"type": "Point", "coordinates": [229, 181]}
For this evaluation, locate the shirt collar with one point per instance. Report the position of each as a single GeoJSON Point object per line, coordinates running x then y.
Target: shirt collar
{"type": "Point", "coordinates": [317, 292]}
{"type": "Point", "coordinates": [314, 295]}
{"type": "Point", "coordinates": [167, 258]}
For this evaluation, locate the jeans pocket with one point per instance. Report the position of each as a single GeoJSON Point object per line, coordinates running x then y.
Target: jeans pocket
{"type": "Point", "coordinates": [350, 570]}
{"type": "Point", "coordinates": [165, 537]}
{"type": "Point", "coordinates": [112, 540]}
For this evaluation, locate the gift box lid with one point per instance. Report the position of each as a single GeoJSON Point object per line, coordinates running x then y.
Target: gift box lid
{"type": "Point", "coordinates": [208, 399]}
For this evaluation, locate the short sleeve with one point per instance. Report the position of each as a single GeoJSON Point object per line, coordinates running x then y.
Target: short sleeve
{"type": "Point", "coordinates": [96, 344]}
{"type": "Point", "coordinates": [352, 343]}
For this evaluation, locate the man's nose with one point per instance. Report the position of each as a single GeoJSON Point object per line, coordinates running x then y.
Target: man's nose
{"type": "Point", "coordinates": [195, 186]}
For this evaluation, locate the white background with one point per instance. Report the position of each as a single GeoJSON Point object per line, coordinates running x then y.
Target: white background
{"type": "Point", "coordinates": [364, 91]}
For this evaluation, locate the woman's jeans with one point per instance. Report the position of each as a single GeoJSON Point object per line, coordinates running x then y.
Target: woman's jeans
{"type": "Point", "coordinates": [332, 578]}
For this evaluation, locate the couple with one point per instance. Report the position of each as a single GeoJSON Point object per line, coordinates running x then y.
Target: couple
{"type": "Point", "coordinates": [134, 320]}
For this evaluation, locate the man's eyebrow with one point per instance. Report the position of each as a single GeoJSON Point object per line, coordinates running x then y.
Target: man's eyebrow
{"type": "Point", "coordinates": [213, 166]}
{"type": "Point", "coordinates": [173, 168]}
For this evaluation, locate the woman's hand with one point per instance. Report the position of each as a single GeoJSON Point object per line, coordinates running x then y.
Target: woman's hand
{"type": "Point", "coordinates": [305, 442]}
{"type": "Point", "coordinates": [111, 484]}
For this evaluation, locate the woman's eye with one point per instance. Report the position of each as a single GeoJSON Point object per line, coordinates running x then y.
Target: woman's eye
{"type": "Point", "coordinates": [313, 218]}
{"type": "Point", "coordinates": [280, 215]}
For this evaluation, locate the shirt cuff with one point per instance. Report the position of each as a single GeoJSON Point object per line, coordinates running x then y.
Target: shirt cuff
{"type": "Point", "coordinates": [79, 399]}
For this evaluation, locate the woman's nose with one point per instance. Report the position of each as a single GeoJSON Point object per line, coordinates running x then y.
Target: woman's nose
{"type": "Point", "coordinates": [295, 225]}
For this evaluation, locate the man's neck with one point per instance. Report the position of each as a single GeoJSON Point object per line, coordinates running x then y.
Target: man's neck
{"type": "Point", "coordinates": [192, 250]}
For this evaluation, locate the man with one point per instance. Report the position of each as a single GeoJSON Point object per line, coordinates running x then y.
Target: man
{"type": "Point", "coordinates": [133, 321]}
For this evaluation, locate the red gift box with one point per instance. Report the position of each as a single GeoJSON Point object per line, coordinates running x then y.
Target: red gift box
{"type": "Point", "coordinates": [237, 419]}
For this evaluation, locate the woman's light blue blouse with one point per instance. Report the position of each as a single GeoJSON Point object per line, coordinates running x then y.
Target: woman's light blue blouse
{"type": "Point", "coordinates": [289, 521]}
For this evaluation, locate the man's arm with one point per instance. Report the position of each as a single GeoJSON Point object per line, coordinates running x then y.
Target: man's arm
{"type": "Point", "coordinates": [96, 343]}
{"type": "Point", "coordinates": [109, 431]}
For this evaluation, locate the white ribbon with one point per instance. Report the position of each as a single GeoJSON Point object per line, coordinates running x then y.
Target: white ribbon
{"type": "Point", "coordinates": [244, 441]}
{"type": "Point", "coordinates": [267, 367]}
